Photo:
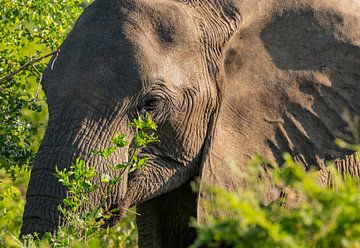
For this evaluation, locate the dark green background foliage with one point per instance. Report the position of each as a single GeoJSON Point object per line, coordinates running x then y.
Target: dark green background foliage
{"type": "Point", "coordinates": [28, 30]}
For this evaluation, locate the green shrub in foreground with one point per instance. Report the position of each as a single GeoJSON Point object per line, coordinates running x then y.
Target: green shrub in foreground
{"type": "Point", "coordinates": [12, 201]}
{"type": "Point", "coordinates": [319, 216]}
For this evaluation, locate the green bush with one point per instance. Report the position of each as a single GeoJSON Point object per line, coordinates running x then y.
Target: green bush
{"type": "Point", "coordinates": [12, 201]}
{"type": "Point", "coordinates": [308, 214]}
{"type": "Point", "coordinates": [30, 31]}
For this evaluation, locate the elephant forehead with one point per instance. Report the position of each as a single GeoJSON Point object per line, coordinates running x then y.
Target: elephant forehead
{"type": "Point", "coordinates": [123, 41]}
{"type": "Point", "coordinates": [167, 22]}
{"type": "Point", "coordinates": [166, 40]}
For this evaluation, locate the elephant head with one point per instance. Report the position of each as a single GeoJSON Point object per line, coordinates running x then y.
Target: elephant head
{"type": "Point", "coordinates": [122, 59]}
{"type": "Point", "coordinates": [218, 78]}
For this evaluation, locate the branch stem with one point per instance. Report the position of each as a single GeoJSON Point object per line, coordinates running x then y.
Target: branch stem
{"type": "Point", "coordinates": [30, 63]}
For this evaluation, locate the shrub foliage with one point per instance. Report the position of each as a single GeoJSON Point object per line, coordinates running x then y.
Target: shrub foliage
{"type": "Point", "coordinates": [306, 215]}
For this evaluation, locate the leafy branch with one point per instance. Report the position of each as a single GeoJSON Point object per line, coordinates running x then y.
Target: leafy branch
{"type": "Point", "coordinates": [30, 63]}
{"type": "Point", "coordinates": [80, 182]}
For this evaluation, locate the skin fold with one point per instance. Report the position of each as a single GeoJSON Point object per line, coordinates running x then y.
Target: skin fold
{"type": "Point", "coordinates": [223, 79]}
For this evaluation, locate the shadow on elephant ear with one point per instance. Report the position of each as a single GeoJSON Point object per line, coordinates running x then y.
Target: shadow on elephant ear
{"type": "Point", "coordinates": [323, 66]}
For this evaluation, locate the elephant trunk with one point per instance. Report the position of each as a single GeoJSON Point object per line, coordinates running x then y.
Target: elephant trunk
{"type": "Point", "coordinates": [62, 144]}
{"type": "Point", "coordinates": [44, 194]}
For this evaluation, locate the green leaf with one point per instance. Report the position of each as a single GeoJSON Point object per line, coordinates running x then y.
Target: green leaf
{"type": "Point", "coordinates": [68, 203]}
{"type": "Point", "coordinates": [105, 153]}
{"type": "Point", "coordinates": [121, 166]}
{"type": "Point", "coordinates": [119, 140]}
{"type": "Point", "coordinates": [142, 162]}
{"type": "Point", "coordinates": [105, 178]}
{"type": "Point", "coordinates": [97, 153]}
{"type": "Point", "coordinates": [149, 123]}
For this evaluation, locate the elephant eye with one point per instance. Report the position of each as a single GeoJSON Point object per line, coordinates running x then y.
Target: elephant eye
{"type": "Point", "coordinates": [150, 104]}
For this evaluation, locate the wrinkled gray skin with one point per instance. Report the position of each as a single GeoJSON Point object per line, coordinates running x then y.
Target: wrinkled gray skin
{"type": "Point", "coordinates": [223, 80]}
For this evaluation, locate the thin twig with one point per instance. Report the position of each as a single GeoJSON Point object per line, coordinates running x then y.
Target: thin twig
{"type": "Point", "coordinates": [39, 82]}
{"type": "Point", "coordinates": [134, 212]}
{"type": "Point", "coordinates": [30, 63]}
{"type": "Point", "coordinates": [56, 57]}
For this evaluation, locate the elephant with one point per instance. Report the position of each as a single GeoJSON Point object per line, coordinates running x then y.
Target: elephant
{"type": "Point", "coordinates": [223, 80]}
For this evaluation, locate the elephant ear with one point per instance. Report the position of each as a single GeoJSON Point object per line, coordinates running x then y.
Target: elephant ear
{"type": "Point", "coordinates": [287, 81]}
{"type": "Point", "coordinates": [217, 21]}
